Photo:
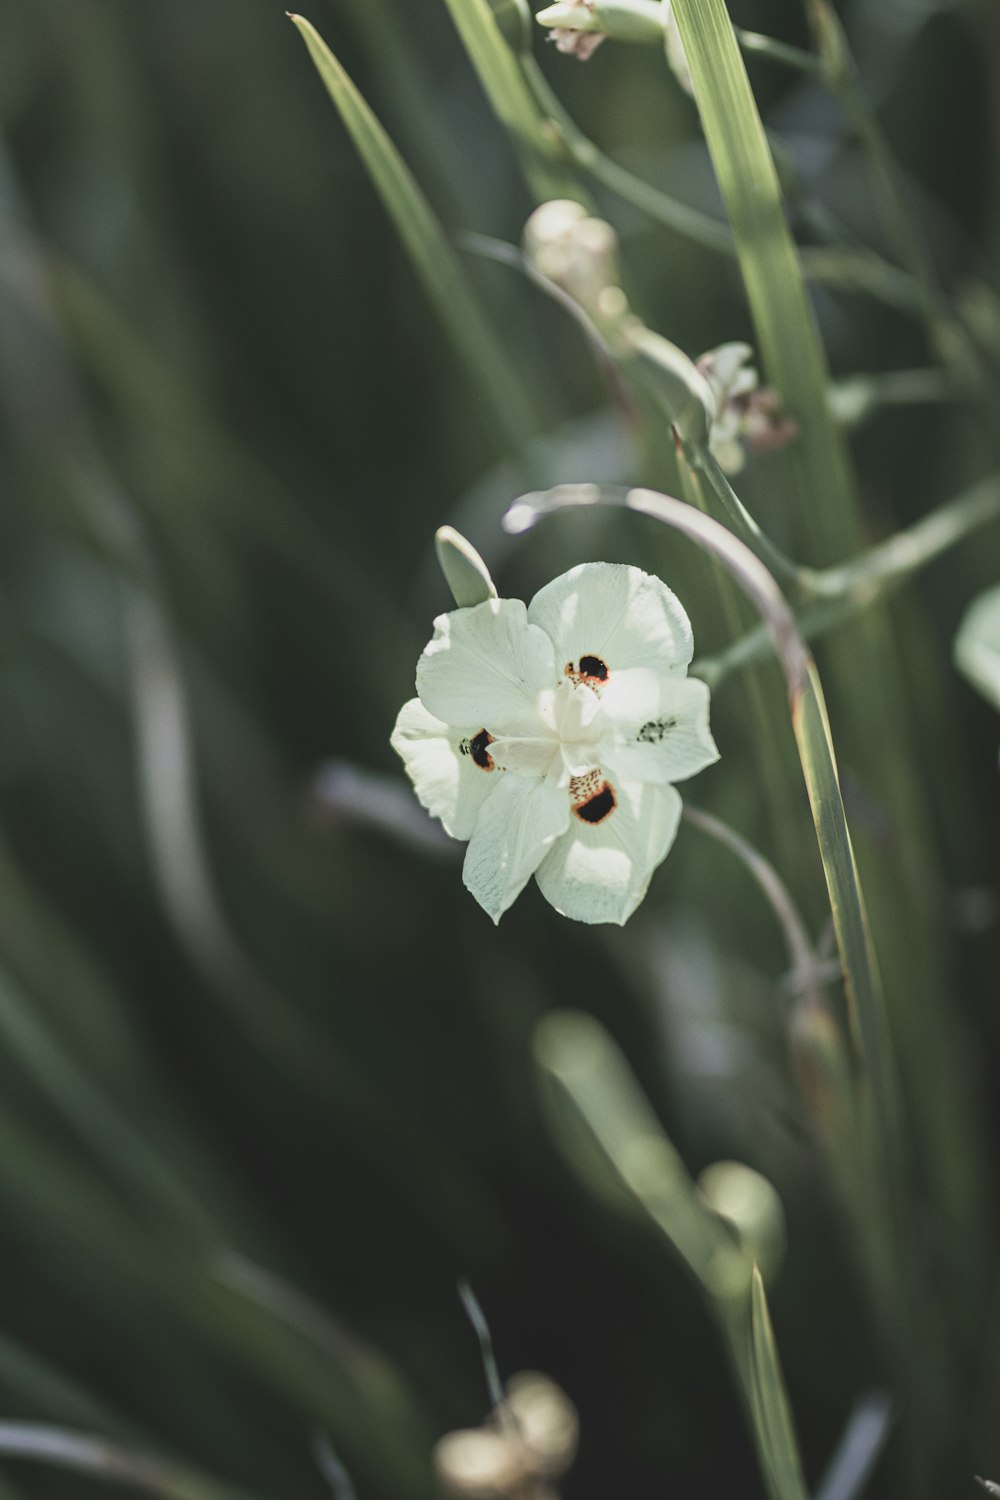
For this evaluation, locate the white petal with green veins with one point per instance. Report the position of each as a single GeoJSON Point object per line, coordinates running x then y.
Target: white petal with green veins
{"type": "Point", "coordinates": [617, 614]}
{"type": "Point", "coordinates": [516, 826]}
{"type": "Point", "coordinates": [675, 742]}
{"type": "Point", "coordinates": [447, 781]}
{"type": "Point", "coordinates": [600, 872]}
{"type": "Point", "coordinates": [485, 664]}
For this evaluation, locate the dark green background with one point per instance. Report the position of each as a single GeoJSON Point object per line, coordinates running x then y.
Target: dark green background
{"type": "Point", "coordinates": [221, 385]}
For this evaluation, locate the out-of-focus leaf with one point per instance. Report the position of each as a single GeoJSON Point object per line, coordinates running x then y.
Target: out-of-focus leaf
{"type": "Point", "coordinates": [427, 245]}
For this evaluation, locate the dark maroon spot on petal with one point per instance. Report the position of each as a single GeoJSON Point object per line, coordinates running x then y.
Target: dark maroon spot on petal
{"type": "Point", "coordinates": [598, 805]}
{"type": "Point", "coordinates": [478, 751]}
{"type": "Point", "coordinates": [593, 666]}
{"type": "Point", "coordinates": [591, 671]}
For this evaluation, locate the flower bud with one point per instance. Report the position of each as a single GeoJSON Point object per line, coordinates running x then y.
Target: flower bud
{"type": "Point", "coordinates": [480, 1464]}
{"type": "Point", "coordinates": [576, 252]}
{"type": "Point", "coordinates": [748, 1202]}
{"type": "Point", "coordinates": [465, 572]}
{"type": "Point", "coordinates": [546, 1422]}
{"type": "Point", "coordinates": [748, 415]}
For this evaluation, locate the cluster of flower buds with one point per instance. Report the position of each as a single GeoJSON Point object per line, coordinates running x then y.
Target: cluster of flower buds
{"type": "Point", "coordinates": [716, 401]}
{"type": "Point", "coordinates": [579, 255]}
{"type": "Point", "coordinates": [526, 1444]}
{"type": "Point", "coordinates": [748, 415]}
{"type": "Point", "coordinates": [580, 26]}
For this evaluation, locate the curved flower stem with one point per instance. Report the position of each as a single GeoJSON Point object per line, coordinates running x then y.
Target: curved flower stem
{"type": "Point", "coordinates": [855, 585]}
{"type": "Point", "coordinates": [804, 976]}
{"type": "Point", "coordinates": [851, 268]}
{"type": "Point", "coordinates": [807, 579]}
{"type": "Point", "coordinates": [877, 1087]}
{"type": "Point", "coordinates": [755, 44]}
{"type": "Point", "coordinates": [96, 1456]}
{"type": "Point", "coordinates": [885, 563]}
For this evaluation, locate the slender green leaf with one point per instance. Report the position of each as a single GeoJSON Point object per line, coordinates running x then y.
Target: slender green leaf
{"type": "Point", "coordinates": [428, 246]}
{"type": "Point", "coordinates": [772, 1418]}
{"type": "Point", "coordinates": [783, 317]}
{"type": "Point", "coordinates": [815, 746]}
{"type": "Point", "coordinates": [574, 1052]}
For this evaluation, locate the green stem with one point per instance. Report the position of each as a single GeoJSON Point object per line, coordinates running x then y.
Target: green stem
{"type": "Point", "coordinates": [858, 584]}
{"type": "Point", "coordinates": [694, 225]}
{"type": "Point", "coordinates": [878, 1097]}
{"type": "Point", "coordinates": [803, 960]}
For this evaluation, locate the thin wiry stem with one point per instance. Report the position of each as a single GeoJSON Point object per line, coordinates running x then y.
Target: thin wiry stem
{"type": "Point", "coordinates": [856, 585]}
{"type": "Point", "coordinates": [803, 960]}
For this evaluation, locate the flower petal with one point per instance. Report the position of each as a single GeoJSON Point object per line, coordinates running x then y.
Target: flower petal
{"type": "Point", "coordinates": [674, 742]}
{"type": "Point", "coordinates": [514, 830]}
{"type": "Point", "coordinates": [485, 665]}
{"type": "Point", "coordinates": [451, 783]}
{"type": "Point", "coordinates": [600, 872]}
{"type": "Point", "coordinates": [616, 617]}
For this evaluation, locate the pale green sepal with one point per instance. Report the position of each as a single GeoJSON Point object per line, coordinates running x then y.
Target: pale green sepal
{"type": "Point", "coordinates": [465, 572]}
{"type": "Point", "coordinates": [625, 20]}
{"type": "Point", "coordinates": [684, 389]}
{"type": "Point", "coordinates": [977, 645]}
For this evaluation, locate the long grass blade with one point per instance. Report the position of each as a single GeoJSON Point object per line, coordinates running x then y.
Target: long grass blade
{"type": "Point", "coordinates": [773, 1419]}
{"type": "Point", "coordinates": [427, 245]}
{"type": "Point", "coordinates": [783, 317]}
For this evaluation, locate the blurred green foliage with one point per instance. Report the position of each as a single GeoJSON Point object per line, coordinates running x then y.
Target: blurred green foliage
{"type": "Point", "coordinates": [267, 1077]}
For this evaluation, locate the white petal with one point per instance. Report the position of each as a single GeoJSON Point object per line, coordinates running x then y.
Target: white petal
{"type": "Point", "coordinates": [485, 665]}
{"type": "Point", "coordinates": [514, 830]}
{"type": "Point", "coordinates": [600, 873]}
{"type": "Point", "coordinates": [729, 365]}
{"type": "Point", "coordinates": [674, 742]}
{"type": "Point", "coordinates": [449, 783]}
{"type": "Point", "coordinates": [620, 616]}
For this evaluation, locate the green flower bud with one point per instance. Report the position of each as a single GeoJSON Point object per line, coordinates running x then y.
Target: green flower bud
{"type": "Point", "coordinates": [748, 1202]}
{"type": "Point", "coordinates": [465, 572]}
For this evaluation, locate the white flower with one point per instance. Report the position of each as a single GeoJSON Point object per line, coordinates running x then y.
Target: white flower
{"type": "Point", "coordinates": [549, 736]}
{"type": "Point", "coordinates": [748, 415]}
